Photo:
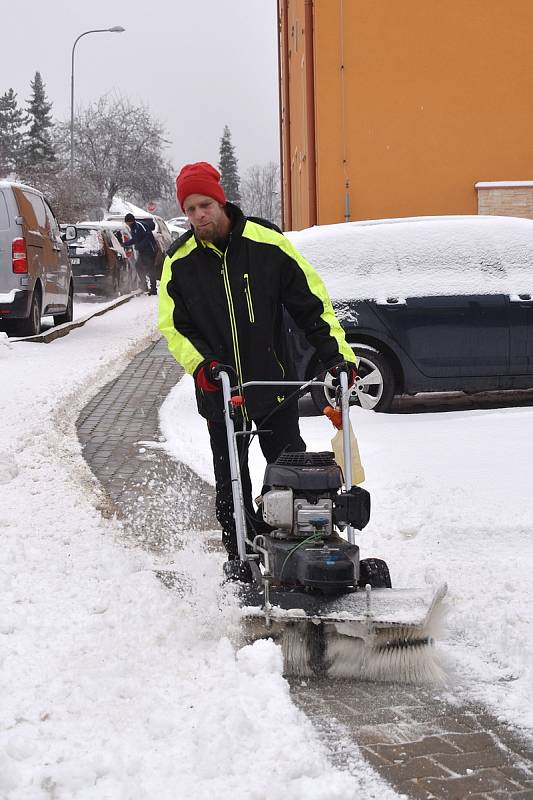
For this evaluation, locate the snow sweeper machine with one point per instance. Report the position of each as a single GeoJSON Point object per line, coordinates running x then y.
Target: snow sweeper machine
{"type": "Point", "coordinates": [333, 613]}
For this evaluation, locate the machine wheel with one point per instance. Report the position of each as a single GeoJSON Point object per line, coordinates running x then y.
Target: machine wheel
{"type": "Point", "coordinates": [375, 572]}
{"type": "Point", "coordinates": [373, 389]}
{"type": "Point", "coordinates": [31, 325]}
{"type": "Point", "coordinates": [60, 319]}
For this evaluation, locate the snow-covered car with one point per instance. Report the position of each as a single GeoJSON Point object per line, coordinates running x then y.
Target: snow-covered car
{"type": "Point", "coordinates": [428, 303]}
{"type": "Point", "coordinates": [121, 231]}
{"type": "Point", "coordinates": [99, 263]}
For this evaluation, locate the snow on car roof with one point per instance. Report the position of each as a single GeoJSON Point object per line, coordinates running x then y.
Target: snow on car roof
{"type": "Point", "coordinates": [420, 256]}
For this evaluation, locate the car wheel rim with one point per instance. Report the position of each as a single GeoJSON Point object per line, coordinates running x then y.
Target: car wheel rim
{"type": "Point", "coordinates": [367, 390]}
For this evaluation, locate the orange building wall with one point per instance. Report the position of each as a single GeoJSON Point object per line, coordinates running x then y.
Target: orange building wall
{"type": "Point", "coordinates": [433, 96]}
{"type": "Point", "coordinates": [296, 97]}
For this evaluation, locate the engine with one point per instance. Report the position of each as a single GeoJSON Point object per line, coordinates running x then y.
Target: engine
{"type": "Point", "coordinates": [302, 496]}
{"type": "Point", "coordinates": [303, 503]}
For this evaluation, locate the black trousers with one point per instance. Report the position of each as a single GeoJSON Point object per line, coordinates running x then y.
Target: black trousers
{"type": "Point", "coordinates": [285, 436]}
{"type": "Point", "coordinates": [146, 271]}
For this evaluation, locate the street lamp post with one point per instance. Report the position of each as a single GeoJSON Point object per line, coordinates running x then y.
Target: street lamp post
{"type": "Point", "coordinates": [114, 29]}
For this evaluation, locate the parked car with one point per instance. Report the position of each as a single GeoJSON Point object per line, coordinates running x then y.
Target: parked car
{"type": "Point", "coordinates": [35, 273]}
{"type": "Point", "coordinates": [121, 231]}
{"type": "Point", "coordinates": [157, 225]}
{"type": "Point", "coordinates": [99, 263]}
{"type": "Point", "coordinates": [176, 230]}
{"type": "Point", "coordinates": [178, 226]}
{"type": "Point", "coordinates": [428, 304]}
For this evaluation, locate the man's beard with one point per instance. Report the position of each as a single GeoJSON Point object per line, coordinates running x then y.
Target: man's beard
{"type": "Point", "coordinates": [209, 232]}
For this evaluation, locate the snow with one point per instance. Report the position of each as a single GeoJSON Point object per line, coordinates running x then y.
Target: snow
{"type": "Point", "coordinates": [113, 686]}
{"type": "Point", "coordinates": [501, 184]}
{"type": "Point", "coordinates": [416, 257]}
{"type": "Point", "coordinates": [123, 207]}
{"type": "Point", "coordinates": [450, 502]}
{"type": "Point", "coordinates": [88, 242]}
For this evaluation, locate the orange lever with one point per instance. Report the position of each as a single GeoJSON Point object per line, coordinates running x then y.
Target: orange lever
{"type": "Point", "coordinates": [237, 400]}
{"type": "Point", "coordinates": [334, 415]}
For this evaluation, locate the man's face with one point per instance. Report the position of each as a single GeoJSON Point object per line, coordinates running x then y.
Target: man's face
{"type": "Point", "coordinates": [207, 216]}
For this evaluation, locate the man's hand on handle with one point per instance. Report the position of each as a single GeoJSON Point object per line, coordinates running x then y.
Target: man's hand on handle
{"type": "Point", "coordinates": [343, 366]}
{"type": "Point", "coordinates": [207, 378]}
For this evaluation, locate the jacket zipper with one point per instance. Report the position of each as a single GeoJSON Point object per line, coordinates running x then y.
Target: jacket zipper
{"type": "Point", "coordinates": [232, 320]}
{"type": "Point", "coordinates": [248, 295]}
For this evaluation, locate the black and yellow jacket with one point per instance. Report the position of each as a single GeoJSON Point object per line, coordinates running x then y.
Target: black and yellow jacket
{"type": "Point", "coordinates": [227, 307]}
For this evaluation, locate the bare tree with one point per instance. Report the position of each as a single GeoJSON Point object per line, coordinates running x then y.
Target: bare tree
{"type": "Point", "coordinates": [260, 192]}
{"type": "Point", "coordinates": [119, 148]}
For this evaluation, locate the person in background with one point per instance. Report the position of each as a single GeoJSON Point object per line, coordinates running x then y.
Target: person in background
{"type": "Point", "coordinates": [142, 238]}
{"type": "Point", "coordinates": [224, 286]}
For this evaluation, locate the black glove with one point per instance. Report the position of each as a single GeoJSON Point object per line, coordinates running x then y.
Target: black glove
{"type": "Point", "coordinates": [205, 379]}
{"type": "Point", "coordinates": [215, 368]}
{"type": "Point", "coordinates": [343, 366]}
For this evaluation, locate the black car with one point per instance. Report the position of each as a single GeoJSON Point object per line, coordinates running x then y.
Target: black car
{"type": "Point", "coordinates": [99, 263]}
{"type": "Point", "coordinates": [429, 304]}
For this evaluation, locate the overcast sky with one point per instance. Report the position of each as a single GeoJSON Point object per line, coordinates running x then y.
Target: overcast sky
{"type": "Point", "coordinates": [198, 65]}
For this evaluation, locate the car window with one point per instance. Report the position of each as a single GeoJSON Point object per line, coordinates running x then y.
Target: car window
{"type": "Point", "coordinates": [52, 223]}
{"type": "Point", "coordinates": [88, 240]}
{"type": "Point", "coordinates": [4, 216]}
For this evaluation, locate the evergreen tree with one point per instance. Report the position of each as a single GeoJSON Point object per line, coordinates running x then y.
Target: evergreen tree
{"type": "Point", "coordinates": [39, 149]}
{"type": "Point", "coordinates": [228, 168]}
{"type": "Point", "coordinates": [11, 122]}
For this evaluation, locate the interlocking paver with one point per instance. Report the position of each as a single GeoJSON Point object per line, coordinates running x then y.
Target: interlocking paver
{"type": "Point", "coordinates": [485, 780]}
{"type": "Point", "coordinates": [110, 429]}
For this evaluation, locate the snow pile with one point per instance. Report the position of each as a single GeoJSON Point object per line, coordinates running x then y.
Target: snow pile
{"type": "Point", "coordinates": [421, 257]}
{"type": "Point", "coordinates": [113, 686]}
{"type": "Point", "coordinates": [450, 502]}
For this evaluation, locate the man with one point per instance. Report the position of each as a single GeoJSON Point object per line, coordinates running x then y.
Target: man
{"type": "Point", "coordinates": [147, 248]}
{"type": "Point", "coordinates": [223, 289]}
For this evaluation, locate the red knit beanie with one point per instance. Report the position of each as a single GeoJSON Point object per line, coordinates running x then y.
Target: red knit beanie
{"type": "Point", "coordinates": [199, 178]}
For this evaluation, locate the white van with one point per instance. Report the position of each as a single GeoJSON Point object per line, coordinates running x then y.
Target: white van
{"type": "Point", "coordinates": [35, 273]}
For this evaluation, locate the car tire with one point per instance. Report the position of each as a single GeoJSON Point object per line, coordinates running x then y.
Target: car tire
{"type": "Point", "coordinates": [61, 319]}
{"type": "Point", "coordinates": [374, 387]}
{"type": "Point", "coordinates": [31, 325]}
{"type": "Point", "coordinates": [375, 572]}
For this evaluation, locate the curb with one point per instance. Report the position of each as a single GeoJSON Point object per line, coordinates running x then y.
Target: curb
{"type": "Point", "coordinates": [59, 331]}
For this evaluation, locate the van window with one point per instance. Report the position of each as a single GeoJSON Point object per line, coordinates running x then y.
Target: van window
{"type": "Point", "coordinates": [52, 225]}
{"type": "Point", "coordinates": [4, 216]}
{"type": "Point", "coordinates": [31, 208]}
{"type": "Point", "coordinates": [38, 207]}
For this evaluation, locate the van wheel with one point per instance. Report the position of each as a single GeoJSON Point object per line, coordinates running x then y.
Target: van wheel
{"type": "Point", "coordinates": [60, 319]}
{"type": "Point", "coordinates": [31, 325]}
{"type": "Point", "coordinates": [373, 389]}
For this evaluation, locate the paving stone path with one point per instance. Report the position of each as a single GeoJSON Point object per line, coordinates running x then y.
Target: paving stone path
{"type": "Point", "coordinates": [422, 745]}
